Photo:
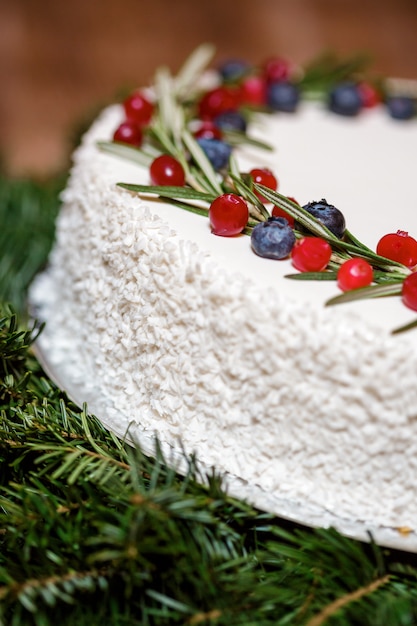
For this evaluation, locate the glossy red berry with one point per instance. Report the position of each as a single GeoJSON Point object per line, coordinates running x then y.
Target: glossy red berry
{"type": "Point", "coordinates": [138, 108]}
{"type": "Point", "coordinates": [278, 212]}
{"type": "Point", "coordinates": [369, 95]}
{"type": "Point", "coordinates": [208, 130]}
{"type": "Point", "coordinates": [409, 291]}
{"type": "Point", "coordinates": [253, 90]}
{"type": "Point", "coordinates": [128, 132]}
{"type": "Point", "coordinates": [276, 69]}
{"type": "Point", "coordinates": [398, 247]}
{"type": "Point", "coordinates": [263, 176]}
{"type": "Point", "coordinates": [228, 215]}
{"type": "Point", "coordinates": [354, 273]}
{"type": "Point", "coordinates": [165, 170]}
{"type": "Point", "coordinates": [218, 101]}
{"type": "Point", "coordinates": [311, 254]}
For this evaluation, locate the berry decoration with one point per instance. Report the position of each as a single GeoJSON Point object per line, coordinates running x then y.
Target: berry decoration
{"type": "Point", "coordinates": [398, 247]}
{"type": "Point", "coordinates": [311, 254]}
{"type": "Point", "coordinates": [218, 152]}
{"type": "Point", "coordinates": [230, 120]}
{"type": "Point", "coordinates": [283, 96]}
{"type": "Point", "coordinates": [218, 101]}
{"type": "Point", "coordinates": [253, 90]}
{"type": "Point", "coordinates": [263, 176]}
{"type": "Point", "coordinates": [228, 215]}
{"type": "Point", "coordinates": [401, 107]}
{"type": "Point", "coordinates": [208, 130]}
{"type": "Point", "coordinates": [276, 69]}
{"type": "Point", "coordinates": [278, 212]}
{"type": "Point", "coordinates": [128, 132]}
{"type": "Point", "coordinates": [409, 291]}
{"type": "Point", "coordinates": [369, 94]}
{"type": "Point", "coordinates": [165, 170]}
{"type": "Point", "coordinates": [138, 108]}
{"type": "Point", "coordinates": [354, 274]}
{"type": "Point", "coordinates": [345, 99]}
{"type": "Point", "coordinates": [233, 69]}
{"type": "Point", "coordinates": [328, 215]}
{"type": "Point", "coordinates": [273, 239]}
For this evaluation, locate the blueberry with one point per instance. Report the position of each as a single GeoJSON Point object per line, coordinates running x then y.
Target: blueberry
{"type": "Point", "coordinates": [230, 120]}
{"type": "Point", "coordinates": [401, 107]}
{"type": "Point", "coordinates": [328, 215]}
{"type": "Point", "coordinates": [218, 152]}
{"type": "Point", "coordinates": [233, 69]}
{"type": "Point", "coordinates": [273, 239]}
{"type": "Point", "coordinates": [283, 96]}
{"type": "Point", "coordinates": [345, 99]}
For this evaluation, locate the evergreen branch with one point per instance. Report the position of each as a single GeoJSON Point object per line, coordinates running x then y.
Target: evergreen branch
{"type": "Point", "coordinates": [328, 611]}
{"type": "Point", "coordinates": [124, 151]}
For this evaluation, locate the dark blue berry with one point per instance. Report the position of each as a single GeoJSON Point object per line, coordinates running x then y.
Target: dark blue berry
{"type": "Point", "coordinates": [233, 69]}
{"type": "Point", "coordinates": [273, 239]}
{"type": "Point", "coordinates": [401, 107]}
{"type": "Point", "coordinates": [328, 215]}
{"type": "Point", "coordinates": [218, 152]}
{"type": "Point", "coordinates": [283, 96]}
{"type": "Point", "coordinates": [230, 120]}
{"type": "Point", "coordinates": [345, 99]}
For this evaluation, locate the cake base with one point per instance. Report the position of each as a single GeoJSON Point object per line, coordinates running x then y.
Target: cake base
{"type": "Point", "coordinates": [283, 506]}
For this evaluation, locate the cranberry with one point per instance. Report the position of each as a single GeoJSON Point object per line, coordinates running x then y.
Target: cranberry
{"type": "Point", "coordinates": [128, 132]}
{"type": "Point", "coordinates": [311, 254]}
{"type": "Point", "coordinates": [138, 108]}
{"type": "Point", "coordinates": [253, 90]}
{"type": "Point", "coordinates": [354, 273]}
{"type": "Point", "coordinates": [263, 176]}
{"type": "Point", "coordinates": [409, 291]}
{"type": "Point", "coordinates": [208, 130]}
{"type": "Point", "coordinates": [217, 101]}
{"type": "Point", "coordinates": [165, 170]}
{"type": "Point", "coordinates": [276, 69]}
{"type": "Point", "coordinates": [398, 247]}
{"type": "Point", "coordinates": [228, 215]}
{"type": "Point", "coordinates": [278, 212]}
{"type": "Point", "coordinates": [369, 95]}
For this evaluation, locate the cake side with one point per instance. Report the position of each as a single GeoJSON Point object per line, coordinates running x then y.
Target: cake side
{"type": "Point", "coordinates": [304, 401]}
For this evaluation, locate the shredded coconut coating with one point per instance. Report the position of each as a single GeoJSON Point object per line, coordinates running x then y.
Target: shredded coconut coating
{"type": "Point", "coordinates": [305, 402]}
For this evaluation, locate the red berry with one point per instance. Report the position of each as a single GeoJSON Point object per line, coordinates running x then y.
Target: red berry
{"type": "Point", "coordinates": [208, 130]}
{"type": "Point", "coordinates": [278, 212]}
{"type": "Point", "coordinates": [263, 176]}
{"type": "Point", "coordinates": [276, 69]}
{"type": "Point", "coordinates": [409, 291]}
{"type": "Point", "coordinates": [369, 95]}
{"type": "Point", "coordinates": [253, 90]}
{"type": "Point", "coordinates": [228, 215]}
{"type": "Point", "coordinates": [398, 247]}
{"type": "Point", "coordinates": [128, 132]}
{"type": "Point", "coordinates": [165, 170]}
{"type": "Point", "coordinates": [138, 108]}
{"type": "Point", "coordinates": [218, 101]}
{"type": "Point", "coordinates": [354, 273]}
{"type": "Point", "coordinates": [311, 254]}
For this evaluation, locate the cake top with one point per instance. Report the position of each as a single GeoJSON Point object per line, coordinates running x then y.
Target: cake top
{"type": "Point", "coordinates": [199, 134]}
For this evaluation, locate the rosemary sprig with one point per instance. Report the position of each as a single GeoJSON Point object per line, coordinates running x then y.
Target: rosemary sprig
{"type": "Point", "coordinates": [374, 291]}
{"type": "Point", "coordinates": [186, 193]}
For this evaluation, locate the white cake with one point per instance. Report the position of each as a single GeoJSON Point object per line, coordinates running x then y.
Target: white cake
{"type": "Point", "coordinates": [164, 328]}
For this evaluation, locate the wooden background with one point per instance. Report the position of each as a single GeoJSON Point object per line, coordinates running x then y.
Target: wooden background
{"type": "Point", "coordinates": [60, 59]}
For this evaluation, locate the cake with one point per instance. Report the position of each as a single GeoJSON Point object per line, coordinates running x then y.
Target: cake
{"type": "Point", "coordinates": [168, 330]}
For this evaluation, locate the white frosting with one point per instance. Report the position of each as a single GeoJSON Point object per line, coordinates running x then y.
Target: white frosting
{"type": "Point", "coordinates": [163, 327]}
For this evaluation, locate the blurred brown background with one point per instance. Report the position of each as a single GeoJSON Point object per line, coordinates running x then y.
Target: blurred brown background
{"type": "Point", "coordinates": [60, 59]}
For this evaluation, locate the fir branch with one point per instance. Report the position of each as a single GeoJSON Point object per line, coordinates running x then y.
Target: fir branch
{"type": "Point", "coordinates": [328, 611]}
